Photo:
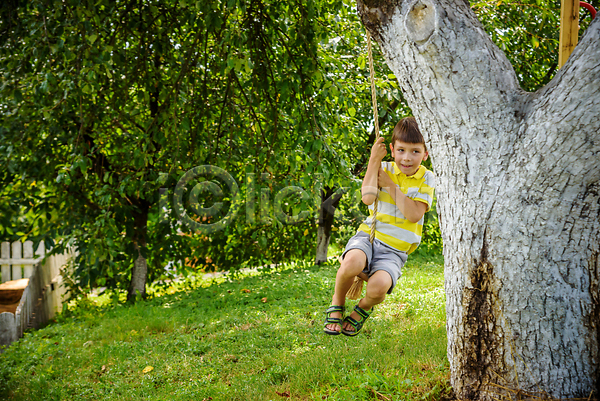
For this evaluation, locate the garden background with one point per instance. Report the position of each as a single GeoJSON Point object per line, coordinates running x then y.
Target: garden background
{"type": "Point", "coordinates": [107, 108]}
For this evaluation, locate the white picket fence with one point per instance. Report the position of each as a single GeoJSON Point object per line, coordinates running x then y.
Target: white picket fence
{"type": "Point", "coordinates": [43, 296]}
{"type": "Point", "coordinates": [17, 259]}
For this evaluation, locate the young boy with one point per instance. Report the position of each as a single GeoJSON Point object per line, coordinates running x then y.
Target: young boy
{"type": "Point", "coordinates": [406, 194]}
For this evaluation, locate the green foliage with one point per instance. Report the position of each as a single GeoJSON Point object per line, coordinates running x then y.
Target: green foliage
{"type": "Point", "coordinates": [347, 90]}
{"type": "Point", "coordinates": [104, 103]}
{"type": "Point", "coordinates": [15, 216]}
{"type": "Point", "coordinates": [256, 338]}
{"type": "Point", "coordinates": [528, 32]}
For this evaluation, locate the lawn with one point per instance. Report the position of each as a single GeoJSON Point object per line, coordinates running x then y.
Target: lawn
{"type": "Point", "coordinates": [256, 336]}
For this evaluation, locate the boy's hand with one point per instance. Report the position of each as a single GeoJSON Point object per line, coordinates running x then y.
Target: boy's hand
{"type": "Point", "coordinates": [384, 180]}
{"type": "Point", "coordinates": [378, 151]}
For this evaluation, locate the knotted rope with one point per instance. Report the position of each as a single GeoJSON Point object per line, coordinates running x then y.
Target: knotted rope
{"type": "Point", "coordinates": [355, 291]}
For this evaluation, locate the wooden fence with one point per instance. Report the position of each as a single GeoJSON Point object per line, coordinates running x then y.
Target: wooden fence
{"type": "Point", "coordinates": [42, 297]}
{"type": "Point", "coordinates": [17, 259]}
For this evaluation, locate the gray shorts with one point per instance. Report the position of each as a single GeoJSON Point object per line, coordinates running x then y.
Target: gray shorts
{"type": "Point", "coordinates": [379, 256]}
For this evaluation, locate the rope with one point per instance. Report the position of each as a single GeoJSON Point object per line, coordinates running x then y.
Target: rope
{"type": "Point", "coordinates": [356, 289]}
{"type": "Point", "coordinates": [376, 123]}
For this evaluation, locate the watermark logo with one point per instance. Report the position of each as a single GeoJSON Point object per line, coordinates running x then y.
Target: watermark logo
{"type": "Point", "coordinates": [207, 183]}
{"type": "Point", "coordinates": [202, 187]}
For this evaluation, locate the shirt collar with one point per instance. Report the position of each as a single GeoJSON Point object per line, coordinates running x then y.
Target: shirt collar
{"type": "Point", "coordinates": [420, 172]}
{"type": "Point", "coordinates": [418, 175]}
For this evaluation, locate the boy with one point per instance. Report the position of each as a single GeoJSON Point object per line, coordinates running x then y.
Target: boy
{"type": "Point", "coordinates": [406, 194]}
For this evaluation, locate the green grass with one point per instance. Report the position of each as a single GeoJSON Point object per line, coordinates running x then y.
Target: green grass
{"type": "Point", "coordinates": [218, 340]}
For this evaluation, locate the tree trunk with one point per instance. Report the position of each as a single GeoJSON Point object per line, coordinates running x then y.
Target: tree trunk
{"type": "Point", "coordinates": [330, 200]}
{"type": "Point", "coordinates": [518, 199]}
{"type": "Point", "coordinates": [139, 273]}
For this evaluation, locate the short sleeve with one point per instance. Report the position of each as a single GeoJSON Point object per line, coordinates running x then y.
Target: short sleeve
{"type": "Point", "coordinates": [426, 190]}
{"type": "Point", "coordinates": [387, 167]}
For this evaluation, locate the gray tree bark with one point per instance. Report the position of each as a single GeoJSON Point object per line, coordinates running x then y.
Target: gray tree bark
{"type": "Point", "coordinates": [323, 237]}
{"type": "Point", "coordinates": [139, 275]}
{"type": "Point", "coordinates": [518, 198]}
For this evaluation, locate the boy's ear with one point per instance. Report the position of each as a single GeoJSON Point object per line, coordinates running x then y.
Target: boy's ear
{"type": "Point", "coordinates": [426, 155]}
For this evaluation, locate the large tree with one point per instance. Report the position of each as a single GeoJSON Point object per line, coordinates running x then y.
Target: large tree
{"type": "Point", "coordinates": [518, 198]}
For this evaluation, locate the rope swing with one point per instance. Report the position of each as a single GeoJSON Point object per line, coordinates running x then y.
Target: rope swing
{"type": "Point", "coordinates": [356, 290]}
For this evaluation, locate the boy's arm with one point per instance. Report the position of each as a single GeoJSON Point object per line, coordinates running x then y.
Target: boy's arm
{"type": "Point", "coordinates": [369, 184]}
{"type": "Point", "coordinates": [411, 209]}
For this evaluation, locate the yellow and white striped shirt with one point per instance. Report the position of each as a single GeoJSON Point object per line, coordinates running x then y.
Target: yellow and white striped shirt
{"type": "Point", "coordinates": [392, 228]}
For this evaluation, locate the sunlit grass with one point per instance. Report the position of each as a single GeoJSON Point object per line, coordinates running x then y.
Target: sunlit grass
{"type": "Point", "coordinates": [258, 337]}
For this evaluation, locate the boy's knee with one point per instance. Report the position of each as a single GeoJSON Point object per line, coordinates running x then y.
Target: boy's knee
{"type": "Point", "coordinates": [354, 260]}
{"type": "Point", "coordinates": [379, 284]}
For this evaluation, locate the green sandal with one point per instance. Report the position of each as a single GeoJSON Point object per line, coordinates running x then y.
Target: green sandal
{"type": "Point", "coordinates": [357, 325]}
{"type": "Point", "coordinates": [333, 320]}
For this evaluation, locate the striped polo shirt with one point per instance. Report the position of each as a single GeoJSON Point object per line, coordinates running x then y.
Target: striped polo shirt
{"type": "Point", "coordinates": [392, 228]}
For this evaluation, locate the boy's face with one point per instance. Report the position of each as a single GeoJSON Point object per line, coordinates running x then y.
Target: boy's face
{"type": "Point", "coordinates": [408, 156]}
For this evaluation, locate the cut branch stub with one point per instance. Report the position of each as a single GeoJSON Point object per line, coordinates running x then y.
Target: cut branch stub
{"type": "Point", "coordinates": [421, 21]}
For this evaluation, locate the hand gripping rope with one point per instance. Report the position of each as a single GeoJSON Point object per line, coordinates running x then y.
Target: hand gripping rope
{"type": "Point", "coordinates": [355, 291]}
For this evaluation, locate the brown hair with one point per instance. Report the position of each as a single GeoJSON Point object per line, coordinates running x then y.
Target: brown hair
{"type": "Point", "coordinates": [407, 131]}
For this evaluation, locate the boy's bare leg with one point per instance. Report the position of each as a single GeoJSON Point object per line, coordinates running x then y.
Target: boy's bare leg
{"type": "Point", "coordinates": [354, 262]}
{"type": "Point", "coordinates": [377, 287]}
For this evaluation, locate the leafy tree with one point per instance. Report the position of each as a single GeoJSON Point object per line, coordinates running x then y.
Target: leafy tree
{"type": "Point", "coordinates": [107, 102]}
